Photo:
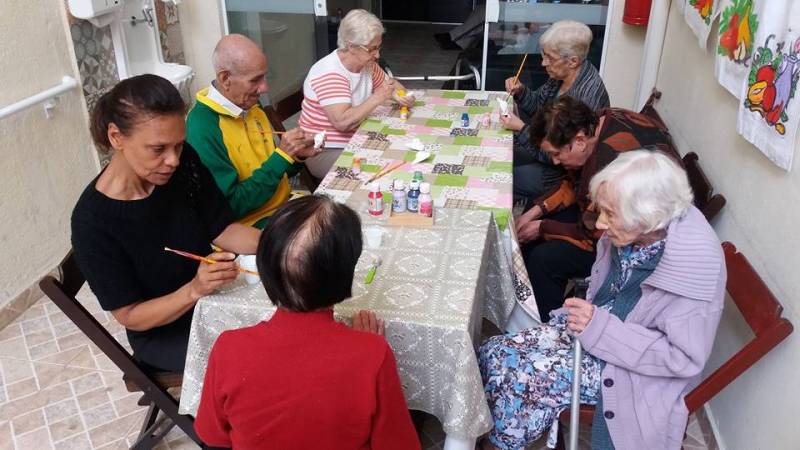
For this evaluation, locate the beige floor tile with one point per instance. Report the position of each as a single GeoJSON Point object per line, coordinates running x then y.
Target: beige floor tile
{"type": "Point", "coordinates": [113, 381]}
{"type": "Point", "coordinates": [6, 439]}
{"type": "Point", "coordinates": [50, 374]}
{"type": "Point", "coordinates": [14, 348]}
{"type": "Point", "coordinates": [44, 350]}
{"type": "Point", "coordinates": [117, 444]}
{"type": "Point", "coordinates": [183, 443]}
{"type": "Point", "coordinates": [15, 369]}
{"type": "Point", "coordinates": [22, 388]}
{"type": "Point", "coordinates": [39, 440]}
{"type": "Point", "coordinates": [51, 394]}
{"type": "Point", "coordinates": [111, 431]}
{"type": "Point", "coordinates": [65, 328]}
{"type": "Point", "coordinates": [11, 331]}
{"type": "Point", "coordinates": [127, 404]}
{"type": "Point", "coordinates": [27, 422]}
{"type": "Point", "coordinates": [86, 383]}
{"type": "Point", "coordinates": [97, 416]}
{"type": "Point", "coordinates": [39, 337]}
{"type": "Point", "coordinates": [66, 428]}
{"type": "Point", "coordinates": [58, 411]}
{"type": "Point", "coordinates": [72, 341]}
{"type": "Point", "coordinates": [93, 399]}
{"type": "Point", "coordinates": [77, 442]}
{"type": "Point", "coordinates": [35, 311]}
{"type": "Point", "coordinates": [57, 316]}
{"type": "Point", "coordinates": [33, 325]}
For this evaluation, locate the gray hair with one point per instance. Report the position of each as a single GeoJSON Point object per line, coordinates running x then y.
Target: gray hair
{"type": "Point", "coordinates": [359, 27]}
{"type": "Point", "coordinates": [568, 38]}
{"type": "Point", "coordinates": [651, 189]}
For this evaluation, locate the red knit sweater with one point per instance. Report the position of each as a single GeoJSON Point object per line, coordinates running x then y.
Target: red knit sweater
{"type": "Point", "coordinates": [303, 381]}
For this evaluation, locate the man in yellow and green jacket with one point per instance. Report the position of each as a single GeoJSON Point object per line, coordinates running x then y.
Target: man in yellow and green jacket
{"type": "Point", "coordinates": [233, 137]}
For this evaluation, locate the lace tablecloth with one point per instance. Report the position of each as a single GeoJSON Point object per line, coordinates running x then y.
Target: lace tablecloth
{"type": "Point", "coordinates": [433, 289]}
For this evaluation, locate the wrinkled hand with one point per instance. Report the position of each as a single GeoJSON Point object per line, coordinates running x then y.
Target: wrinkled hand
{"type": "Point", "coordinates": [513, 87]}
{"type": "Point", "coordinates": [211, 276]}
{"type": "Point", "coordinates": [295, 143]}
{"type": "Point", "coordinates": [308, 150]}
{"type": "Point", "coordinates": [365, 320]}
{"type": "Point", "coordinates": [512, 122]}
{"type": "Point", "coordinates": [528, 231]}
{"type": "Point", "coordinates": [385, 91]}
{"type": "Point", "coordinates": [579, 313]}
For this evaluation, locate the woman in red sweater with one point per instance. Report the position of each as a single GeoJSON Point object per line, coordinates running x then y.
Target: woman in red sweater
{"type": "Point", "coordinates": [301, 380]}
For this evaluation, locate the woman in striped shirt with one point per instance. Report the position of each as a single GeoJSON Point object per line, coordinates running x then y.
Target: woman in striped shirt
{"type": "Point", "coordinates": [343, 88]}
{"type": "Point", "coordinates": [564, 48]}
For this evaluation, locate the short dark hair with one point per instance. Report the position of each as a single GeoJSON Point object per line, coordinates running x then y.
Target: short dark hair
{"type": "Point", "coordinates": [307, 254]}
{"type": "Point", "coordinates": [131, 101]}
{"type": "Point", "coordinates": [560, 120]}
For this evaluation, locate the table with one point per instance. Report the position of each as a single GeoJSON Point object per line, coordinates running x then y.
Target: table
{"type": "Point", "coordinates": [433, 289]}
{"type": "Point", "coordinates": [470, 167]}
{"type": "Point", "coordinates": [435, 284]}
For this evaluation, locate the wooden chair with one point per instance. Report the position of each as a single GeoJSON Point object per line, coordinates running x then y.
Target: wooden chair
{"type": "Point", "coordinates": [282, 111]}
{"type": "Point", "coordinates": [709, 203]}
{"type": "Point", "coordinates": [137, 378]}
{"type": "Point", "coordinates": [762, 312]}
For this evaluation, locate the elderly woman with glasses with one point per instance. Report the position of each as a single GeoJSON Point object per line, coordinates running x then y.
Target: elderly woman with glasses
{"type": "Point", "coordinates": [343, 88]}
{"type": "Point", "coordinates": [564, 48]}
{"type": "Point", "coordinates": [647, 324]}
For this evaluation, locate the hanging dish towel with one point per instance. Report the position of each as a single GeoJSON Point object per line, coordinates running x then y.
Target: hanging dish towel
{"type": "Point", "coordinates": [768, 112]}
{"type": "Point", "coordinates": [738, 24]}
{"type": "Point", "coordinates": [700, 14]}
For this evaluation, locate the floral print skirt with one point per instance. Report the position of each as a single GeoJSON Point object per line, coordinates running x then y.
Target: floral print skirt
{"type": "Point", "coordinates": [528, 382]}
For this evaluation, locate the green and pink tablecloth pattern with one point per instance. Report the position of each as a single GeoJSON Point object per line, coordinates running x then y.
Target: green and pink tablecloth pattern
{"type": "Point", "coordinates": [469, 167]}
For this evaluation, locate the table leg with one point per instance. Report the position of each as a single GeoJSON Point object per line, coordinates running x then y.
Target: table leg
{"type": "Point", "coordinates": [455, 443]}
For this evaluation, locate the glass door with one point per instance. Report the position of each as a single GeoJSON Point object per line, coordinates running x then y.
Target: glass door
{"type": "Point", "coordinates": [293, 34]}
{"type": "Point", "coordinates": [517, 32]}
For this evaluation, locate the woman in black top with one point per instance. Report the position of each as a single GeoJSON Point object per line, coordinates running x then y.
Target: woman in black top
{"type": "Point", "coordinates": [154, 193]}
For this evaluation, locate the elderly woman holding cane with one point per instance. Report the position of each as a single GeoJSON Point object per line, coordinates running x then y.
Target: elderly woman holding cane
{"type": "Point", "coordinates": [646, 326]}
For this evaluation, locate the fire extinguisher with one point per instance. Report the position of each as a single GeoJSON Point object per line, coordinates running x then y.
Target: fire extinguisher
{"type": "Point", "coordinates": [637, 12]}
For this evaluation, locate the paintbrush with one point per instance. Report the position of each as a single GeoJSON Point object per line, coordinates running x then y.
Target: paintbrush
{"type": "Point", "coordinates": [385, 171]}
{"type": "Point", "coordinates": [204, 259]}
{"type": "Point", "coordinates": [519, 71]}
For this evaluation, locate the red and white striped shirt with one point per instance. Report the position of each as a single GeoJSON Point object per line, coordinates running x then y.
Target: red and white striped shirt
{"type": "Point", "coordinates": [330, 83]}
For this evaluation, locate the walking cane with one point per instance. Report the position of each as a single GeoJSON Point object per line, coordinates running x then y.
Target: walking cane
{"type": "Point", "coordinates": [581, 286]}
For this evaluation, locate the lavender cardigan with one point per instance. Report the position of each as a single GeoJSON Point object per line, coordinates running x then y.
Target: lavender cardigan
{"type": "Point", "coordinates": [655, 357]}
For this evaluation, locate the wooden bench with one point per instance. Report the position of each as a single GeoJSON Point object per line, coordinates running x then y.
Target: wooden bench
{"type": "Point", "coordinates": [705, 199]}
{"type": "Point", "coordinates": [762, 312]}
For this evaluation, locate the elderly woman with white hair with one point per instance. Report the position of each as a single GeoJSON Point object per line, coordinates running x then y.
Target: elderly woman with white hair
{"type": "Point", "coordinates": [647, 324]}
{"type": "Point", "coordinates": [343, 88]}
{"type": "Point", "coordinates": [564, 47]}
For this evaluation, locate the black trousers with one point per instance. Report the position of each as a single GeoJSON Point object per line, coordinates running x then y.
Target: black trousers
{"type": "Point", "coordinates": [551, 264]}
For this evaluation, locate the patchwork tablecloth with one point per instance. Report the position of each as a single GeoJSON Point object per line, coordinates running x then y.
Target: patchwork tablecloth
{"type": "Point", "coordinates": [433, 288]}
{"type": "Point", "coordinates": [469, 168]}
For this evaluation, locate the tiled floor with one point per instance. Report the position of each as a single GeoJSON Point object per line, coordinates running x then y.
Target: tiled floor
{"type": "Point", "coordinates": [57, 390]}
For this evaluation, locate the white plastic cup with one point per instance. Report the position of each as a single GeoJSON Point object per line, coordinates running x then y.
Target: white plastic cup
{"type": "Point", "coordinates": [249, 262]}
{"type": "Point", "coordinates": [374, 237]}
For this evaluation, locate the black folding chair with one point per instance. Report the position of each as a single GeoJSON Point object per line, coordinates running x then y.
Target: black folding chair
{"type": "Point", "coordinates": [153, 386]}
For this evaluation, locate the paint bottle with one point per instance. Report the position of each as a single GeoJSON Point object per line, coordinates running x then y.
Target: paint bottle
{"type": "Point", "coordinates": [486, 122]}
{"type": "Point", "coordinates": [417, 176]}
{"type": "Point", "coordinates": [356, 168]}
{"type": "Point", "coordinates": [465, 120]}
{"type": "Point", "coordinates": [413, 196]}
{"type": "Point", "coordinates": [403, 109]}
{"type": "Point", "coordinates": [375, 199]}
{"type": "Point", "coordinates": [425, 200]}
{"type": "Point", "coordinates": [399, 197]}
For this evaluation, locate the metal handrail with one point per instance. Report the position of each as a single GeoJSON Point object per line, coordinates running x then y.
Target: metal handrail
{"type": "Point", "coordinates": [67, 83]}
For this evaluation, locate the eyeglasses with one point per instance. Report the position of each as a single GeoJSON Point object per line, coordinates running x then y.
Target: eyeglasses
{"type": "Point", "coordinates": [368, 49]}
{"type": "Point", "coordinates": [549, 59]}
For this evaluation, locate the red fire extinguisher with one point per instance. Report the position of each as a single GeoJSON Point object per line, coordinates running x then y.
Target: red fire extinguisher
{"type": "Point", "coordinates": [637, 12]}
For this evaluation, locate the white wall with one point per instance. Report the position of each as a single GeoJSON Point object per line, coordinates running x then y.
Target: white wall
{"type": "Point", "coordinates": [761, 217]}
{"type": "Point", "coordinates": [201, 28]}
{"type": "Point", "coordinates": [45, 164]}
{"type": "Point", "coordinates": [623, 57]}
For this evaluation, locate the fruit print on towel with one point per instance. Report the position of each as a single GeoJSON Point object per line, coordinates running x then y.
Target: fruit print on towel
{"type": "Point", "coordinates": [703, 7]}
{"type": "Point", "coordinates": [737, 27]}
{"type": "Point", "coordinates": [772, 82]}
